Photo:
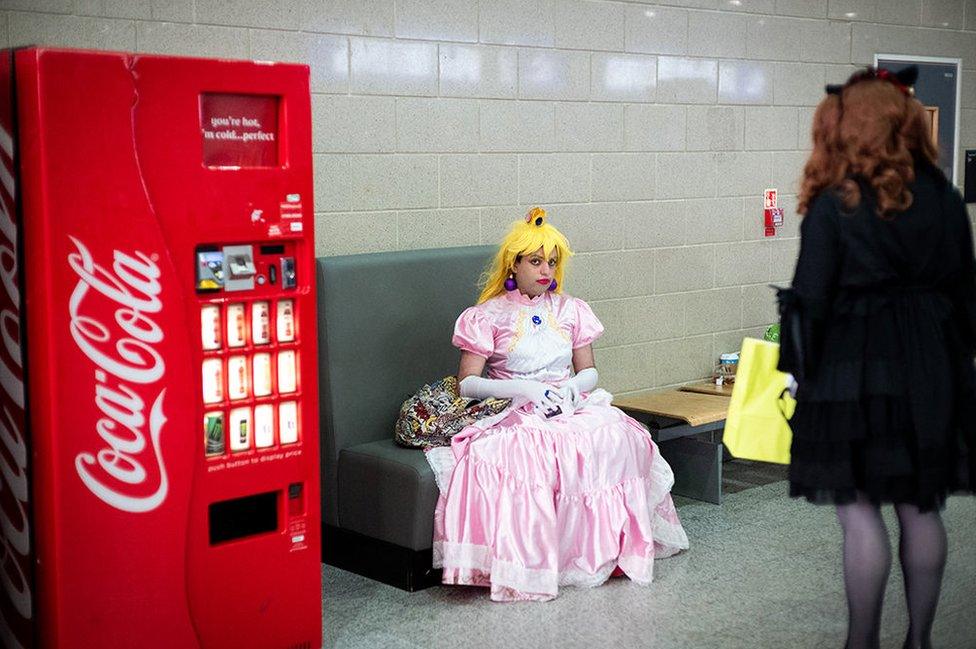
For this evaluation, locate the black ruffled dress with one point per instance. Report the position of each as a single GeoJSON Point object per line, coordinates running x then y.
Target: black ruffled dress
{"type": "Point", "coordinates": [887, 403]}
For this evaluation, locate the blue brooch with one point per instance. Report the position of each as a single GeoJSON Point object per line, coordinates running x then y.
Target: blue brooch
{"type": "Point", "coordinates": [536, 320]}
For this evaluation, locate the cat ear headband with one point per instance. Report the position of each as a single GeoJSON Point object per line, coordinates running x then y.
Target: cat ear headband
{"type": "Point", "coordinates": [903, 80]}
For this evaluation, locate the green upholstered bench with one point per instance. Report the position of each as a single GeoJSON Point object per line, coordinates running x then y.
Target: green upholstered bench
{"type": "Point", "coordinates": [385, 324]}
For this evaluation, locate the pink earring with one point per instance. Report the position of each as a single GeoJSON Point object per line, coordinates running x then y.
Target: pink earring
{"type": "Point", "coordinates": [510, 284]}
{"type": "Point", "coordinates": [553, 285]}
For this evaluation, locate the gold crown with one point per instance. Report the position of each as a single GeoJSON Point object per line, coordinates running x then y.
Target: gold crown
{"type": "Point", "coordinates": [536, 215]}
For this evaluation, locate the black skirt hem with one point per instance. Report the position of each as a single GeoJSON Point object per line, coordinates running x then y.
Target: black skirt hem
{"type": "Point", "coordinates": [846, 496]}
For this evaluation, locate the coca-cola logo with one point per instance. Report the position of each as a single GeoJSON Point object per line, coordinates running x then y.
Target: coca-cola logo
{"type": "Point", "coordinates": [127, 371]}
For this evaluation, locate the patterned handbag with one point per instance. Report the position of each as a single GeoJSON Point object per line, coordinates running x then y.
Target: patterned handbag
{"type": "Point", "coordinates": [437, 412]}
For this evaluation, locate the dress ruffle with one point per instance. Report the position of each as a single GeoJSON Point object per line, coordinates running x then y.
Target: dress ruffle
{"type": "Point", "coordinates": [536, 504]}
{"type": "Point", "coordinates": [879, 416]}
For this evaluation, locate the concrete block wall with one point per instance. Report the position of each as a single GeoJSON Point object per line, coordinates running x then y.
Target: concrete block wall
{"type": "Point", "coordinates": [647, 129]}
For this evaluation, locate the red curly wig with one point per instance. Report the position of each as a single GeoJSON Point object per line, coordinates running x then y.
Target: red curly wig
{"type": "Point", "coordinates": [872, 130]}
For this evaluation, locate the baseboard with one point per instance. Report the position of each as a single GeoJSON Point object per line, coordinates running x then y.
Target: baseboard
{"type": "Point", "coordinates": [381, 561]}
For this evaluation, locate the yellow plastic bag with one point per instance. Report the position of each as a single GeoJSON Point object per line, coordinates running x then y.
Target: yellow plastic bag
{"type": "Point", "coordinates": [756, 427]}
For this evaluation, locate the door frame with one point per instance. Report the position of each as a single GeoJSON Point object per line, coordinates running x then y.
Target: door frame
{"type": "Point", "coordinates": [957, 62]}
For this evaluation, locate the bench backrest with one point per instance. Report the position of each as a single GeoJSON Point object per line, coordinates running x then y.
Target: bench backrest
{"type": "Point", "coordinates": [385, 323]}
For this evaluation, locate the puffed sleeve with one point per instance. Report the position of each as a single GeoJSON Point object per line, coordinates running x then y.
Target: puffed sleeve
{"type": "Point", "coordinates": [587, 327]}
{"type": "Point", "coordinates": [473, 333]}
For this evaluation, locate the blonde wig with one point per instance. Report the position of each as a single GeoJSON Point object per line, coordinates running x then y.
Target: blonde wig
{"type": "Point", "coordinates": [525, 237]}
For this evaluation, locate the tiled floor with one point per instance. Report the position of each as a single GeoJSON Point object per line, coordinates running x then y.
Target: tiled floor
{"type": "Point", "coordinates": [763, 571]}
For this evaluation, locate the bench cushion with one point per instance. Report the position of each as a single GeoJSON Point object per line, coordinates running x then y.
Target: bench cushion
{"type": "Point", "coordinates": [385, 325]}
{"type": "Point", "coordinates": [387, 492]}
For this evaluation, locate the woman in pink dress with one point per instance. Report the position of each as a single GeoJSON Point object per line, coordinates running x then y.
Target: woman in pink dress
{"type": "Point", "coordinates": [561, 488]}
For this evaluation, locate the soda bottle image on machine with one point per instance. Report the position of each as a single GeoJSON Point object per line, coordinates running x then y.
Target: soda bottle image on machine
{"type": "Point", "coordinates": [159, 481]}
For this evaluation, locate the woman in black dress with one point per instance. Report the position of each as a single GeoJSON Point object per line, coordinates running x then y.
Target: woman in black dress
{"type": "Point", "coordinates": [886, 405]}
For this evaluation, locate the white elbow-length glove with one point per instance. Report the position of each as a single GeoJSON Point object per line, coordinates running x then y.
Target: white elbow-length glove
{"type": "Point", "coordinates": [519, 391]}
{"type": "Point", "coordinates": [584, 381]}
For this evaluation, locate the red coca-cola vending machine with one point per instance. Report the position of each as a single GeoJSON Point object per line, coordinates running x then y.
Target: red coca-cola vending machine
{"type": "Point", "coordinates": [159, 457]}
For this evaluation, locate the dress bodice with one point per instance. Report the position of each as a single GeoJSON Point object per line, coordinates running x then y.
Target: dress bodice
{"type": "Point", "coordinates": [527, 338]}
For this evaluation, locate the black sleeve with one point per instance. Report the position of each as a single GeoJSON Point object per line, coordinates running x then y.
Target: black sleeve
{"type": "Point", "coordinates": [805, 310]}
{"type": "Point", "coordinates": [964, 286]}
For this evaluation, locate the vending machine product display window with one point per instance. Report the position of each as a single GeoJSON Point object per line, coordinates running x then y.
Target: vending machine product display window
{"type": "Point", "coordinates": [249, 367]}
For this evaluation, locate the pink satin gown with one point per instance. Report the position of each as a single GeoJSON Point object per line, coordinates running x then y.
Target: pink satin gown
{"type": "Point", "coordinates": [533, 503]}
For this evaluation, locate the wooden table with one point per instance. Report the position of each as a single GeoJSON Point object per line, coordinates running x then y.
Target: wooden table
{"type": "Point", "coordinates": [709, 387]}
{"type": "Point", "coordinates": [694, 408]}
{"type": "Point", "coordinates": [675, 418]}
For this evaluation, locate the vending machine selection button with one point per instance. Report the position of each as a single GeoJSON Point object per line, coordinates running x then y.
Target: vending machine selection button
{"type": "Point", "coordinates": [285, 321]}
{"type": "Point", "coordinates": [235, 326]}
{"type": "Point", "coordinates": [237, 377]}
{"type": "Point", "coordinates": [210, 326]}
{"type": "Point", "coordinates": [240, 429]}
{"type": "Point", "coordinates": [261, 323]}
{"type": "Point", "coordinates": [213, 380]}
{"type": "Point", "coordinates": [213, 433]}
{"type": "Point", "coordinates": [262, 374]}
{"type": "Point", "coordinates": [288, 422]}
{"type": "Point", "coordinates": [286, 371]}
{"type": "Point", "coordinates": [263, 425]}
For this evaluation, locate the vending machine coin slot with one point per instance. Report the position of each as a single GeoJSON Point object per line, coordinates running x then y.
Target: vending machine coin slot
{"type": "Point", "coordinates": [272, 274]}
{"type": "Point", "coordinates": [288, 279]}
{"type": "Point", "coordinates": [239, 518]}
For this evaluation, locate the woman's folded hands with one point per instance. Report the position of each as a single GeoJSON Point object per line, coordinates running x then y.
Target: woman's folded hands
{"type": "Point", "coordinates": [519, 391]}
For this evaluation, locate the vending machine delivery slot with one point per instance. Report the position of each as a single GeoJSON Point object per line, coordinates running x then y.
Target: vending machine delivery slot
{"type": "Point", "coordinates": [239, 518]}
